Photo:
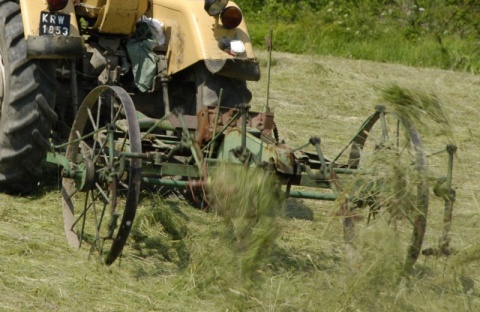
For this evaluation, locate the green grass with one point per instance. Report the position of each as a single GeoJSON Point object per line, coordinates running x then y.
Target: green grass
{"type": "Point", "coordinates": [179, 258]}
{"type": "Point", "coordinates": [390, 47]}
{"type": "Point", "coordinates": [434, 33]}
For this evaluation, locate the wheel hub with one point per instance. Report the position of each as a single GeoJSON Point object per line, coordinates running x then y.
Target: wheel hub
{"type": "Point", "coordinates": [85, 176]}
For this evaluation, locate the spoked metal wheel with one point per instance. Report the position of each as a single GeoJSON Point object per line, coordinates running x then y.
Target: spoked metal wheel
{"type": "Point", "coordinates": [100, 199]}
{"type": "Point", "coordinates": [393, 186]}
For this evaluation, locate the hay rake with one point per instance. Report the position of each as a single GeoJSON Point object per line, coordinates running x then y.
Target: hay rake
{"type": "Point", "coordinates": [113, 149]}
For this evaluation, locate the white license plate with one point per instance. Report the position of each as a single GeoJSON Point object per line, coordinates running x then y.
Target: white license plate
{"type": "Point", "coordinates": [54, 24]}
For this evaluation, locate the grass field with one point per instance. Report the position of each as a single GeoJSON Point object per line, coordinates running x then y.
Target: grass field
{"type": "Point", "coordinates": [180, 259]}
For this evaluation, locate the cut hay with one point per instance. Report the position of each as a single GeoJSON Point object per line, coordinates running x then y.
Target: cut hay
{"type": "Point", "coordinates": [416, 108]}
{"type": "Point", "coordinates": [248, 201]}
{"type": "Point", "coordinates": [230, 258]}
{"type": "Point", "coordinates": [308, 269]}
{"type": "Point", "coordinates": [159, 233]}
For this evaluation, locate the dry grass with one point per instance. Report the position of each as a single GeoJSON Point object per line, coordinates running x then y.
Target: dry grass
{"type": "Point", "coordinates": [183, 259]}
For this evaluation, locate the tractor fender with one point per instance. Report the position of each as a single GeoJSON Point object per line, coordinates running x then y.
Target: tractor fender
{"type": "Point", "coordinates": [192, 36]}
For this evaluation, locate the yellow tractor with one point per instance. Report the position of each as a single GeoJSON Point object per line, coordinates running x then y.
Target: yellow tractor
{"type": "Point", "coordinates": [167, 54]}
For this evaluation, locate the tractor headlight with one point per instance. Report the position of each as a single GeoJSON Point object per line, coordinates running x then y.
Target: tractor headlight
{"type": "Point", "coordinates": [231, 17]}
{"type": "Point", "coordinates": [215, 7]}
{"type": "Point", "coordinates": [57, 5]}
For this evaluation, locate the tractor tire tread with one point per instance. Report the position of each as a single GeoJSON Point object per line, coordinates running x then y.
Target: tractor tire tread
{"type": "Point", "coordinates": [27, 112]}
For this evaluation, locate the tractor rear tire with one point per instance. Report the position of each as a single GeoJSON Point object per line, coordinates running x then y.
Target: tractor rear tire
{"type": "Point", "coordinates": [27, 97]}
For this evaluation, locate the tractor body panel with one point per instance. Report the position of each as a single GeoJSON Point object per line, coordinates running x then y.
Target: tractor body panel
{"type": "Point", "coordinates": [116, 17]}
{"type": "Point", "coordinates": [193, 36]}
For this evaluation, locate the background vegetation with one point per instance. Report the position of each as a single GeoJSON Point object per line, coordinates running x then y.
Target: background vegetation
{"type": "Point", "coordinates": [438, 33]}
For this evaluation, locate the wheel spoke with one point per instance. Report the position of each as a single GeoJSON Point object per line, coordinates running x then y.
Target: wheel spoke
{"type": "Point", "coordinates": [103, 194]}
{"type": "Point", "coordinates": [92, 120]}
{"type": "Point", "coordinates": [2, 80]}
